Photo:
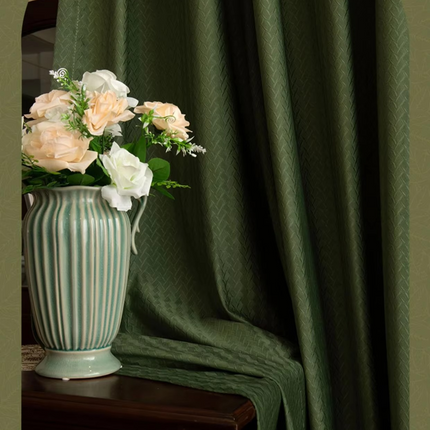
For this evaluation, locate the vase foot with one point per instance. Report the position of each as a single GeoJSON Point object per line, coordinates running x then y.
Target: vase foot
{"type": "Point", "coordinates": [78, 364]}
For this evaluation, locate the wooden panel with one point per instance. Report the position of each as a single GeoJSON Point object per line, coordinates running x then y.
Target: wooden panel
{"type": "Point", "coordinates": [39, 15]}
{"type": "Point", "coordinates": [27, 337]}
{"type": "Point", "coordinates": [121, 403]}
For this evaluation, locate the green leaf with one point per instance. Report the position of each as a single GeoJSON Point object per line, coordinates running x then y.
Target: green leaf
{"type": "Point", "coordinates": [31, 188]}
{"type": "Point", "coordinates": [36, 181]}
{"type": "Point", "coordinates": [160, 168]}
{"type": "Point", "coordinates": [27, 189]}
{"type": "Point", "coordinates": [163, 191]}
{"type": "Point", "coordinates": [128, 147]}
{"type": "Point", "coordinates": [52, 184]}
{"type": "Point", "coordinates": [98, 172]}
{"type": "Point", "coordinates": [100, 164]}
{"type": "Point", "coordinates": [95, 145]}
{"type": "Point", "coordinates": [137, 148]}
{"type": "Point", "coordinates": [140, 149]}
{"type": "Point", "coordinates": [80, 179]}
{"type": "Point", "coordinates": [104, 180]}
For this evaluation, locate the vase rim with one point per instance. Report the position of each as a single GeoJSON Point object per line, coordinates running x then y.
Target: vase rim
{"type": "Point", "coordinates": [71, 188]}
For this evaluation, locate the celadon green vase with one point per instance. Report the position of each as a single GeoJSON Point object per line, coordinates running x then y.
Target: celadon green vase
{"type": "Point", "coordinates": [77, 253]}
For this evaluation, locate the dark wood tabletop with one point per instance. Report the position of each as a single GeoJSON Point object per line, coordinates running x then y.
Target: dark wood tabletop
{"type": "Point", "coordinates": [123, 403]}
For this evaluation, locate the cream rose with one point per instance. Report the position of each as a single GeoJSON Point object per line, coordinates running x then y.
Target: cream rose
{"type": "Point", "coordinates": [104, 80]}
{"type": "Point", "coordinates": [105, 110]}
{"type": "Point", "coordinates": [130, 178]}
{"type": "Point", "coordinates": [56, 148]}
{"type": "Point", "coordinates": [49, 106]}
{"type": "Point", "coordinates": [167, 117]}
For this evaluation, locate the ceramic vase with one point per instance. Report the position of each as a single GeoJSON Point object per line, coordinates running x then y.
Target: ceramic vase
{"type": "Point", "coordinates": [77, 253]}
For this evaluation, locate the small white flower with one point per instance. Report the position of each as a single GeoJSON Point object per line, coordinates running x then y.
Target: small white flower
{"type": "Point", "coordinates": [114, 130]}
{"type": "Point", "coordinates": [198, 149]}
{"type": "Point", "coordinates": [130, 178]}
{"type": "Point", "coordinates": [191, 151]}
{"type": "Point", "coordinates": [60, 73]}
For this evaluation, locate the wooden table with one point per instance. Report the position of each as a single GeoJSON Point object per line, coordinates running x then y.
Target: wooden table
{"type": "Point", "coordinates": [122, 403]}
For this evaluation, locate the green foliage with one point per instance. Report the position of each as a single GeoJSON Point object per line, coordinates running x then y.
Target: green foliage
{"type": "Point", "coordinates": [100, 165]}
{"type": "Point", "coordinates": [36, 177]}
{"type": "Point", "coordinates": [101, 144]}
{"type": "Point", "coordinates": [161, 187]}
{"type": "Point", "coordinates": [169, 184]}
{"type": "Point", "coordinates": [166, 138]}
{"type": "Point", "coordinates": [163, 191]}
{"type": "Point", "coordinates": [160, 168]}
{"type": "Point", "coordinates": [31, 188]}
{"type": "Point", "coordinates": [79, 104]}
{"type": "Point", "coordinates": [137, 148]}
{"type": "Point", "coordinates": [80, 179]}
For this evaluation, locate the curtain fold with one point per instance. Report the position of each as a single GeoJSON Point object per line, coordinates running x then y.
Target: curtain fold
{"type": "Point", "coordinates": [282, 275]}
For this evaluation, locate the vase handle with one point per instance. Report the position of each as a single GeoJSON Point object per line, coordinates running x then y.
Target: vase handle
{"type": "Point", "coordinates": [135, 226]}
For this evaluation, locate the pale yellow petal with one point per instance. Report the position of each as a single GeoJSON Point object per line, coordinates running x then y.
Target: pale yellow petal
{"type": "Point", "coordinates": [53, 165]}
{"type": "Point", "coordinates": [81, 166]}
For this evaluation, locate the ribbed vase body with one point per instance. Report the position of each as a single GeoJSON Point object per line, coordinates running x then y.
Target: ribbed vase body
{"type": "Point", "coordinates": [77, 251]}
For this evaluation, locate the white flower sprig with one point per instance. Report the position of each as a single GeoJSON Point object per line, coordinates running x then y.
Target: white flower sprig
{"type": "Point", "coordinates": [59, 74]}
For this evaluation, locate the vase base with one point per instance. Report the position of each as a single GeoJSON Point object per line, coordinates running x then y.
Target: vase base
{"type": "Point", "coordinates": [78, 364]}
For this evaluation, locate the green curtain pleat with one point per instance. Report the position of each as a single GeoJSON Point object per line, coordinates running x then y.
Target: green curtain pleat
{"type": "Point", "coordinates": [282, 275]}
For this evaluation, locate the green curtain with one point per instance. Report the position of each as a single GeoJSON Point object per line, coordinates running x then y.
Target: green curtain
{"type": "Point", "coordinates": [282, 275]}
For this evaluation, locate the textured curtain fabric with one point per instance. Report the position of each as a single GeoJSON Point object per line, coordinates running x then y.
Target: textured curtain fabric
{"type": "Point", "coordinates": [282, 275]}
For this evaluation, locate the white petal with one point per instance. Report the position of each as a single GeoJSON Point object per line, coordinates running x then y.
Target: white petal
{"type": "Point", "coordinates": [148, 182]}
{"type": "Point", "coordinates": [132, 102]}
{"type": "Point", "coordinates": [114, 130]}
{"type": "Point", "coordinates": [106, 74]}
{"type": "Point", "coordinates": [92, 82]}
{"type": "Point", "coordinates": [120, 89]}
{"type": "Point", "coordinates": [115, 148]}
{"type": "Point", "coordinates": [122, 203]}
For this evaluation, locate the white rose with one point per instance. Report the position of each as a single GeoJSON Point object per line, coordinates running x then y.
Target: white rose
{"type": "Point", "coordinates": [130, 178]}
{"type": "Point", "coordinates": [104, 80]}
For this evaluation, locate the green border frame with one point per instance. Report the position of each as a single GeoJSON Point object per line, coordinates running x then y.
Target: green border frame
{"type": "Point", "coordinates": [418, 17]}
{"type": "Point", "coordinates": [11, 17]}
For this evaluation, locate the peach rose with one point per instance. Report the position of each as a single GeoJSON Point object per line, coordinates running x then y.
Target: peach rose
{"type": "Point", "coordinates": [105, 110]}
{"type": "Point", "coordinates": [167, 117]}
{"type": "Point", "coordinates": [48, 106]}
{"type": "Point", "coordinates": [56, 148]}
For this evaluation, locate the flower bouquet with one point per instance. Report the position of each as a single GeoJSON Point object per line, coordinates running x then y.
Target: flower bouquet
{"type": "Point", "coordinates": [77, 234]}
{"type": "Point", "coordinates": [69, 140]}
